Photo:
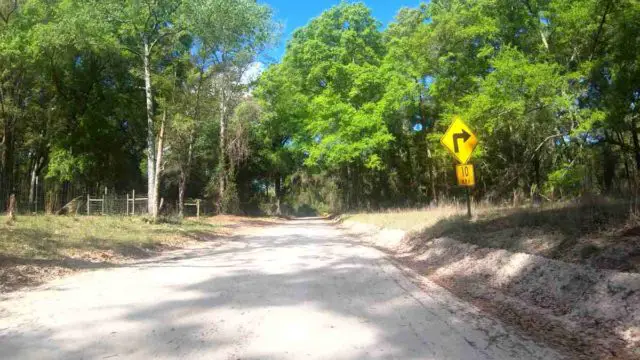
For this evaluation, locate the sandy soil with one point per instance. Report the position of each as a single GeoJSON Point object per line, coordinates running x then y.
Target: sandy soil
{"type": "Point", "coordinates": [589, 313]}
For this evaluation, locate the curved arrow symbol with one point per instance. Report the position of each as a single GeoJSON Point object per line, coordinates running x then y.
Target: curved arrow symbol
{"type": "Point", "coordinates": [464, 136]}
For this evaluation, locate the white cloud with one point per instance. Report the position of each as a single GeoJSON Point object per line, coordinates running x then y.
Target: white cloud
{"type": "Point", "coordinates": [252, 73]}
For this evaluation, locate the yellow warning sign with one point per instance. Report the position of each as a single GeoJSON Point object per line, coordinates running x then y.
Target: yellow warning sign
{"type": "Point", "coordinates": [466, 175]}
{"type": "Point", "coordinates": [459, 140]}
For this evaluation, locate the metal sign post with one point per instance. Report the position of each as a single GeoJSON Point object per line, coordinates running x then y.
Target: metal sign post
{"type": "Point", "coordinates": [468, 202]}
{"type": "Point", "coordinates": [467, 178]}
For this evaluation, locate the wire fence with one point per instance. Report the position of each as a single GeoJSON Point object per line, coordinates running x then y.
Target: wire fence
{"type": "Point", "coordinates": [39, 195]}
{"type": "Point", "coordinates": [112, 204]}
{"type": "Point", "coordinates": [43, 197]}
{"type": "Point", "coordinates": [132, 204]}
{"type": "Point", "coordinates": [81, 202]}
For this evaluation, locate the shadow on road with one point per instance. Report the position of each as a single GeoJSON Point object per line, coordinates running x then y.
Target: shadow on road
{"type": "Point", "coordinates": [303, 291]}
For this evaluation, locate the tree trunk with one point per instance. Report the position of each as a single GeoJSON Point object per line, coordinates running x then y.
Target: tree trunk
{"type": "Point", "coordinates": [624, 157]}
{"type": "Point", "coordinates": [32, 185]}
{"type": "Point", "coordinates": [12, 208]}
{"type": "Point", "coordinates": [598, 34]}
{"type": "Point", "coordinates": [152, 202]}
{"type": "Point", "coordinates": [534, 13]}
{"type": "Point", "coordinates": [357, 186]}
{"type": "Point", "coordinates": [35, 171]}
{"type": "Point", "coordinates": [7, 161]}
{"type": "Point", "coordinates": [278, 184]}
{"type": "Point", "coordinates": [182, 184]}
{"type": "Point", "coordinates": [185, 170]}
{"type": "Point", "coordinates": [349, 187]}
{"type": "Point", "coordinates": [636, 143]}
{"type": "Point", "coordinates": [156, 181]}
{"type": "Point", "coordinates": [432, 177]}
{"type": "Point", "coordinates": [5, 119]}
{"type": "Point", "coordinates": [223, 144]}
{"type": "Point", "coordinates": [610, 164]}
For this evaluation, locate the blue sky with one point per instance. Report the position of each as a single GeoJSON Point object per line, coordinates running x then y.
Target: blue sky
{"type": "Point", "coordinates": [296, 13]}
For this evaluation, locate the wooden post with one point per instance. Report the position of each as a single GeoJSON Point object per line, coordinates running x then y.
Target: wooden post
{"type": "Point", "coordinates": [127, 205]}
{"type": "Point", "coordinates": [36, 196]}
{"type": "Point", "coordinates": [12, 208]}
{"type": "Point", "coordinates": [104, 198]}
{"type": "Point", "coordinates": [88, 204]}
{"type": "Point", "coordinates": [198, 208]}
{"type": "Point", "coordinates": [468, 203]}
{"type": "Point", "coordinates": [133, 204]}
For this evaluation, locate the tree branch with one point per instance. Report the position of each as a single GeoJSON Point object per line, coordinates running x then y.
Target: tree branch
{"type": "Point", "coordinates": [544, 141]}
{"type": "Point", "coordinates": [5, 18]}
{"type": "Point", "coordinates": [596, 38]}
{"type": "Point", "coordinates": [135, 52]}
{"type": "Point", "coordinates": [161, 37]}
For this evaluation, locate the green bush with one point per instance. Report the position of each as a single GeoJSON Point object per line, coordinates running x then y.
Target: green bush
{"type": "Point", "coordinates": [566, 181]}
{"type": "Point", "coordinates": [230, 202]}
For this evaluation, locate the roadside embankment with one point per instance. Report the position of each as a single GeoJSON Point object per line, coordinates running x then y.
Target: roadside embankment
{"type": "Point", "coordinates": [589, 312]}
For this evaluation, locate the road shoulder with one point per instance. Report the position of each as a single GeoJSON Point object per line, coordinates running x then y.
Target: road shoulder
{"type": "Point", "coordinates": [451, 266]}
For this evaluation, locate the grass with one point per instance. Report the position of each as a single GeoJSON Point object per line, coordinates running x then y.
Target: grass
{"type": "Point", "coordinates": [36, 249]}
{"type": "Point", "coordinates": [58, 237]}
{"type": "Point", "coordinates": [601, 233]}
{"type": "Point", "coordinates": [409, 219]}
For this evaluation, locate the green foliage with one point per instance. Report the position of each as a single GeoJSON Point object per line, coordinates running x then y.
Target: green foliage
{"type": "Point", "coordinates": [333, 62]}
{"type": "Point", "coordinates": [71, 78]}
{"type": "Point", "coordinates": [543, 84]}
{"type": "Point", "coordinates": [350, 117]}
{"type": "Point", "coordinates": [64, 166]}
{"type": "Point", "coordinates": [230, 202]}
{"type": "Point", "coordinates": [566, 181]}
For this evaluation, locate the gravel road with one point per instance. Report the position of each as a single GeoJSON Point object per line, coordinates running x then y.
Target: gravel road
{"type": "Point", "coordinates": [297, 290]}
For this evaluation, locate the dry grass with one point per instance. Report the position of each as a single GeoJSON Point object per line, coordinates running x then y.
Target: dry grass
{"type": "Point", "coordinates": [599, 233]}
{"type": "Point", "coordinates": [58, 237]}
{"type": "Point", "coordinates": [36, 249]}
{"type": "Point", "coordinates": [416, 219]}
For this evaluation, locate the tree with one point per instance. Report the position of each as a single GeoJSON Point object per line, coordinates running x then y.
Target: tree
{"type": "Point", "coordinates": [56, 106]}
{"type": "Point", "coordinates": [142, 27]}
{"type": "Point", "coordinates": [333, 62]}
{"type": "Point", "coordinates": [280, 129]}
{"type": "Point", "coordinates": [228, 36]}
{"type": "Point", "coordinates": [350, 118]}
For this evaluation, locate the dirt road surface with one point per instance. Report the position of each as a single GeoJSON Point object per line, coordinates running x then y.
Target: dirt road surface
{"type": "Point", "coordinates": [297, 290]}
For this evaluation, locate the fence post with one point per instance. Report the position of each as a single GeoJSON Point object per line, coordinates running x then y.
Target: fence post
{"type": "Point", "coordinates": [12, 207]}
{"type": "Point", "coordinates": [104, 197]}
{"type": "Point", "coordinates": [127, 205]}
{"type": "Point", "coordinates": [88, 204]}
{"type": "Point", "coordinates": [36, 196]}
{"type": "Point", "coordinates": [133, 204]}
{"type": "Point", "coordinates": [198, 209]}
